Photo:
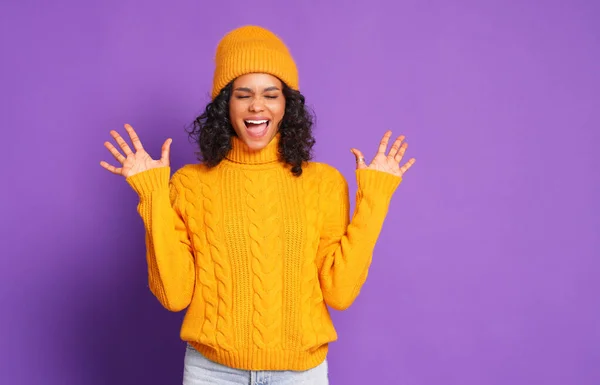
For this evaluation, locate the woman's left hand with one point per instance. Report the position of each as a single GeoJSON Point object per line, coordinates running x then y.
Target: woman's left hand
{"type": "Point", "coordinates": [389, 163]}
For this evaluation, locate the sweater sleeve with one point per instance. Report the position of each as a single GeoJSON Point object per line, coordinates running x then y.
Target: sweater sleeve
{"type": "Point", "coordinates": [168, 247]}
{"type": "Point", "coordinates": [346, 246]}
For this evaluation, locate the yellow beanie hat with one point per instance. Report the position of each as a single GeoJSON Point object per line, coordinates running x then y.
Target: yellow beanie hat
{"type": "Point", "coordinates": [252, 49]}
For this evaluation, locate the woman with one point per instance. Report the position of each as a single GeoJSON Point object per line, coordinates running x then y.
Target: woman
{"type": "Point", "coordinates": [255, 240]}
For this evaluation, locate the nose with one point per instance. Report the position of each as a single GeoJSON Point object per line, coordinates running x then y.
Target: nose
{"type": "Point", "coordinates": [256, 105]}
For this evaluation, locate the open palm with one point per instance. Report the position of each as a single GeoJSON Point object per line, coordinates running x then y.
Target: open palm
{"type": "Point", "coordinates": [389, 163]}
{"type": "Point", "coordinates": [134, 162]}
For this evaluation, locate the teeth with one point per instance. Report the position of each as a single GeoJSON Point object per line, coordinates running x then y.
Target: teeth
{"type": "Point", "coordinates": [256, 121]}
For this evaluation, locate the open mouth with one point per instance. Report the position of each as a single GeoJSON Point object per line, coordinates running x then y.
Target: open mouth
{"type": "Point", "coordinates": [257, 128]}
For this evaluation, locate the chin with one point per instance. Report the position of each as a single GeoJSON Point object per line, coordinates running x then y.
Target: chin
{"type": "Point", "coordinates": [257, 144]}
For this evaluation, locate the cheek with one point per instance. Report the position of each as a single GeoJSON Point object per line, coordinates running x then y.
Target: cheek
{"type": "Point", "coordinates": [234, 111]}
{"type": "Point", "coordinates": [279, 110]}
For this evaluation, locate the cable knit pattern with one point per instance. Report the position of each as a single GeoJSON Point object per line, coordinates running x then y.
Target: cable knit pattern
{"type": "Point", "coordinates": [222, 271]}
{"type": "Point", "coordinates": [205, 278]}
{"type": "Point", "coordinates": [309, 267]}
{"type": "Point", "coordinates": [266, 260]}
{"type": "Point", "coordinates": [257, 255]}
{"type": "Point", "coordinates": [327, 189]}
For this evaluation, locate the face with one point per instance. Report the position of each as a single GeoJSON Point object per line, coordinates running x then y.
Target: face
{"type": "Point", "coordinates": [256, 108]}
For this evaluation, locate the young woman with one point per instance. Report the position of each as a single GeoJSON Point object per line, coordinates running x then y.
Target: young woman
{"type": "Point", "coordinates": [255, 241]}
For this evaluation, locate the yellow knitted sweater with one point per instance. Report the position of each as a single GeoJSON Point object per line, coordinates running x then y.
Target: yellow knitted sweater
{"type": "Point", "coordinates": [256, 254]}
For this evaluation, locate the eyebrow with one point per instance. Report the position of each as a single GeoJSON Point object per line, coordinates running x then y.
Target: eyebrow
{"type": "Point", "coordinates": [246, 89]}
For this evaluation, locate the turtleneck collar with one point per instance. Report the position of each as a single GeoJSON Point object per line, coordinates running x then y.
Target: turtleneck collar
{"type": "Point", "coordinates": [240, 153]}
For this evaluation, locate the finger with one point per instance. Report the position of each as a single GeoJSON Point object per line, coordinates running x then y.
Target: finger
{"type": "Point", "coordinates": [400, 153]}
{"type": "Point", "coordinates": [121, 143]}
{"type": "Point", "coordinates": [396, 146]}
{"type": "Point", "coordinates": [166, 150]}
{"type": "Point", "coordinates": [135, 140]}
{"type": "Point", "coordinates": [384, 142]}
{"type": "Point", "coordinates": [360, 159]}
{"type": "Point", "coordinates": [118, 156]}
{"type": "Point", "coordinates": [111, 168]}
{"type": "Point", "coordinates": [407, 165]}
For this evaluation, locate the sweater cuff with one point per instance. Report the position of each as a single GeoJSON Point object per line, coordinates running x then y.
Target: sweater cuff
{"type": "Point", "coordinates": [146, 182]}
{"type": "Point", "coordinates": [377, 182]}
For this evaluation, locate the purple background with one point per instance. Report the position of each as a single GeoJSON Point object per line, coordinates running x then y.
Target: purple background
{"type": "Point", "coordinates": [487, 268]}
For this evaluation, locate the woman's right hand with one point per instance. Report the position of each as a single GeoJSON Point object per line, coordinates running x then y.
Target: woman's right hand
{"type": "Point", "coordinates": [134, 162]}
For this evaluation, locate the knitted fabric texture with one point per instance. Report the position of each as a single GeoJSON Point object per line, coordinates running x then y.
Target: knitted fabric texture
{"type": "Point", "coordinates": [256, 255]}
{"type": "Point", "coordinates": [252, 49]}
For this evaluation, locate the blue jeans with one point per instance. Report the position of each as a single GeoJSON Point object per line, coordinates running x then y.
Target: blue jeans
{"type": "Point", "coordinates": [199, 370]}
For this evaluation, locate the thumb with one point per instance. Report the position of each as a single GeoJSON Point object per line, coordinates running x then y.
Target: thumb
{"type": "Point", "coordinates": [360, 158]}
{"type": "Point", "coordinates": [166, 150]}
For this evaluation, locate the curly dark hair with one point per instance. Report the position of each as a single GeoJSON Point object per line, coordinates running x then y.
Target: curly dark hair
{"type": "Point", "coordinates": [212, 130]}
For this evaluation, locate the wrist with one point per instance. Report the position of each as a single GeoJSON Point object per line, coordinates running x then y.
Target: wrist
{"type": "Point", "coordinates": [377, 182]}
{"type": "Point", "coordinates": [146, 182]}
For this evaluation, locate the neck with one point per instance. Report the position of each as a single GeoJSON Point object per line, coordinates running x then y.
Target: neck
{"type": "Point", "coordinates": [241, 153]}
